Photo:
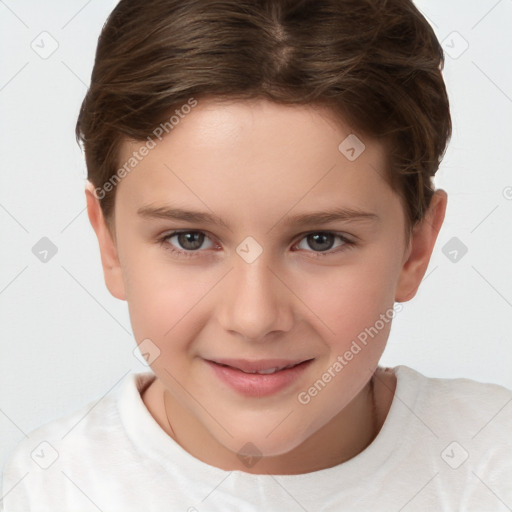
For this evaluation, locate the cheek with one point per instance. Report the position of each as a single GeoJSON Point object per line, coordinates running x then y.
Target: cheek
{"type": "Point", "coordinates": [166, 301]}
{"type": "Point", "coordinates": [151, 297]}
{"type": "Point", "coordinates": [348, 298]}
{"type": "Point", "coordinates": [356, 303]}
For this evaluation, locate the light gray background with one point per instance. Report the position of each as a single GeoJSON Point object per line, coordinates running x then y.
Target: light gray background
{"type": "Point", "coordinates": [65, 341]}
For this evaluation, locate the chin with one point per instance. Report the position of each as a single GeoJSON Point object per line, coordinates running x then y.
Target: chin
{"type": "Point", "coordinates": [255, 442]}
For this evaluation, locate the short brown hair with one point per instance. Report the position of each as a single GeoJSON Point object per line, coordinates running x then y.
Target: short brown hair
{"type": "Point", "coordinates": [376, 63]}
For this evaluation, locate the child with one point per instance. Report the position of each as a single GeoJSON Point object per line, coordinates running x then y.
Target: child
{"type": "Point", "coordinates": [260, 184]}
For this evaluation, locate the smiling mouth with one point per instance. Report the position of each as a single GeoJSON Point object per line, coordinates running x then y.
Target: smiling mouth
{"type": "Point", "coordinates": [259, 379]}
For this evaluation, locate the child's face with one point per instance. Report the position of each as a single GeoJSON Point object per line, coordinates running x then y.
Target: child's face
{"type": "Point", "coordinates": [257, 166]}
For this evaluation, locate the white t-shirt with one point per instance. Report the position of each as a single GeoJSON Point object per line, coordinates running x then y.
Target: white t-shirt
{"type": "Point", "coordinates": [446, 445]}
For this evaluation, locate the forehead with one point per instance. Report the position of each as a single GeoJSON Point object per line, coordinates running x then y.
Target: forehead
{"type": "Point", "coordinates": [258, 156]}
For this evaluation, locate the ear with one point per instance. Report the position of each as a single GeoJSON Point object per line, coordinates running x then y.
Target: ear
{"type": "Point", "coordinates": [423, 238]}
{"type": "Point", "coordinates": [108, 249]}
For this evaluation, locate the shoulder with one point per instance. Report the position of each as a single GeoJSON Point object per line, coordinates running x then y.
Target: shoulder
{"type": "Point", "coordinates": [461, 399]}
{"type": "Point", "coordinates": [455, 433]}
{"type": "Point", "coordinates": [54, 442]}
{"type": "Point", "coordinates": [78, 443]}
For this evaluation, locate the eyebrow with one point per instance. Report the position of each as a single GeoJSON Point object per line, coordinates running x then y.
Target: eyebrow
{"type": "Point", "coordinates": [311, 218]}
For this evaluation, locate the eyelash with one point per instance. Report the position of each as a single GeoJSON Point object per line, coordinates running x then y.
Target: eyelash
{"type": "Point", "coordinates": [347, 244]}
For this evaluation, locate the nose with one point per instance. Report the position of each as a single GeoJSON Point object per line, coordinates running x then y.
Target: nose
{"type": "Point", "coordinates": [254, 301]}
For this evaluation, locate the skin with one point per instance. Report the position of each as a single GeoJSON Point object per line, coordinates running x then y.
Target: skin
{"type": "Point", "coordinates": [256, 164]}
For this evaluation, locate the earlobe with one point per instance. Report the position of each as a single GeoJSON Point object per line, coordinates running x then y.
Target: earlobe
{"type": "Point", "coordinates": [112, 270]}
{"type": "Point", "coordinates": [422, 243]}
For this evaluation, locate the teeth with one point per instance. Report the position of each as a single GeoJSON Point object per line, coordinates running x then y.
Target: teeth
{"type": "Point", "coordinates": [271, 370]}
{"type": "Point", "coordinates": [268, 371]}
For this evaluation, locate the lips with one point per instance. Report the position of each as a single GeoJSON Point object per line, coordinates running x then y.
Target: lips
{"type": "Point", "coordinates": [264, 366]}
{"type": "Point", "coordinates": [259, 379]}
